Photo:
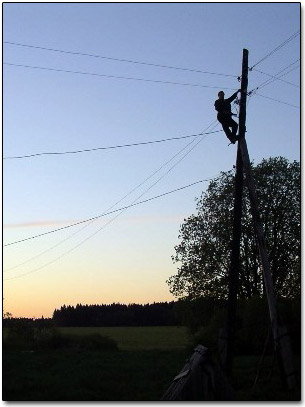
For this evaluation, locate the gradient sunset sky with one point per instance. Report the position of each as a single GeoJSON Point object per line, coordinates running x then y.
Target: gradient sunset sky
{"type": "Point", "coordinates": [126, 258]}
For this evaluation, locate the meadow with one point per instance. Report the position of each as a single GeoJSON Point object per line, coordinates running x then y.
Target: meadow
{"type": "Point", "coordinates": [139, 338]}
{"type": "Point", "coordinates": [140, 369]}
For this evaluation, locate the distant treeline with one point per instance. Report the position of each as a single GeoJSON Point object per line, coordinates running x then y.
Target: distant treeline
{"type": "Point", "coordinates": [156, 314]}
{"type": "Point", "coordinates": [116, 314]}
{"type": "Point", "coordinates": [204, 317]}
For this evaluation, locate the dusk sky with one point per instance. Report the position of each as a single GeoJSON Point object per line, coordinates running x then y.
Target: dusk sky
{"type": "Point", "coordinates": [79, 103]}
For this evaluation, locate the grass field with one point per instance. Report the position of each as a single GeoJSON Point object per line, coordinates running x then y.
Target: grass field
{"type": "Point", "coordinates": [139, 338]}
{"type": "Point", "coordinates": [145, 364]}
{"type": "Point", "coordinates": [141, 370]}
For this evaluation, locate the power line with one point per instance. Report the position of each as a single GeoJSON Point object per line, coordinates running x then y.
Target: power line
{"type": "Point", "coordinates": [214, 123]}
{"type": "Point", "coordinates": [276, 49]}
{"type": "Point", "coordinates": [121, 209]}
{"type": "Point", "coordinates": [114, 59]}
{"type": "Point", "coordinates": [279, 77]}
{"type": "Point", "coordinates": [113, 219]}
{"type": "Point", "coordinates": [95, 217]}
{"type": "Point", "coordinates": [112, 76]}
{"type": "Point", "coordinates": [283, 72]}
{"type": "Point", "coordinates": [276, 100]}
{"type": "Point", "coordinates": [108, 209]}
{"type": "Point", "coordinates": [106, 148]}
{"type": "Point", "coordinates": [86, 220]}
{"type": "Point", "coordinates": [276, 78]}
{"type": "Point", "coordinates": [269, 81]}
{"type": "Point", "coordinates": [112, 206]}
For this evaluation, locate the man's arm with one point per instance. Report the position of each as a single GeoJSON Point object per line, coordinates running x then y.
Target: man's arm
{"type": "Point", "coordinates": [234, 96]}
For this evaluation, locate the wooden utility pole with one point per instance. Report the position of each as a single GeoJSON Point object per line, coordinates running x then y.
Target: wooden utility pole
{"type": "Point", "coordinates": [281, 343]}
{"type": "Point", "coordinates": [280, 338]}
{"type": "Point", "coordinates": [197, 380]}
{"type": "Point", "coordinates": [234, 269]}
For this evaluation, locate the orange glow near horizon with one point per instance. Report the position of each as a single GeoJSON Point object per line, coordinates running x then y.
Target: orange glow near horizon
{"type": "Point", "coordinates": [116, 267]}
{"type": "Point", "coordinates": [36, 308]}
{"type": "Point", "coordinates": [40, 296]}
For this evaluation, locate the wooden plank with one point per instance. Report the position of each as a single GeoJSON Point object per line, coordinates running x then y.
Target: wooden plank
{"type": "Point", "coordinates": [200, 379]}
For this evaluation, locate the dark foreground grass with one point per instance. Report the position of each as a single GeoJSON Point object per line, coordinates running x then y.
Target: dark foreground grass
{"type": "Point", "coordinates": [141, 369]}
{"type": "Point", "coordinates": [67, 375]}
{"type": "Point", "coordinates": [89, 376]}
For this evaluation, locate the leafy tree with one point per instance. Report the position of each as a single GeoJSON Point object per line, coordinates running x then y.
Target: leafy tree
{"type": "Point", "coordinates": [205, 237]}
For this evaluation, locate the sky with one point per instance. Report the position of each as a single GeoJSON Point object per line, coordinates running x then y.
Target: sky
{"type": "Point", "coordinates": [126, 257]}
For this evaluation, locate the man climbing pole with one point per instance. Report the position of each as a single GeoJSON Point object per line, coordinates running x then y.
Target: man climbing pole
{"type": "Point", "coordinates": [224, 116]}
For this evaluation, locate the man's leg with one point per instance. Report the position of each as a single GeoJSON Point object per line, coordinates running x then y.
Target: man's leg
{"type": "Point", "coordinates": [234, 126]}
{"type": "Point", "coordinates": [226, 124]}
{"type": "Point", "coordinates": [226, 129]}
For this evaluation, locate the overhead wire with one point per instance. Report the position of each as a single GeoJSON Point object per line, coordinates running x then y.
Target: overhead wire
{"type": "Point", "coordinates": [111, 220]}
{"type": "Point", "coordinates": [115, 59]}
{"type": "Point", "coordinates": [112, 76]}
{"type": "Point", "coordinates": [108, 209]}
{"type": "Point", "coordinates": [284, 43]}
{"type": "Point", "coordinates": [277, 78]}
{"type": "Point", "coordinates": [105, 148]}
{"type": "Point", "coordinates": [73, 248]}
{"type": "Point", "coordinates": [82, 221]}
{"type": "Point", "coordinates": [276, 100]}
{"type": "Point", "coordinates": [122, 210]}
{"type": "Point", "coordinates": [283, 72]}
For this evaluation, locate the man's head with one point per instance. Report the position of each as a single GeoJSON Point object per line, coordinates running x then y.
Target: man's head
{"type": "Point", "coordinates": [221, 95]}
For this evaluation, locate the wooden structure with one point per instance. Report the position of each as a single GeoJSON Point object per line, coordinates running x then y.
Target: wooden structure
{"type": "Point", "coordinates": [199, 380]}
{"type": "Point", "coordinates": [226, 336]}
{"type": "Point", "coordinates": [281, 342]}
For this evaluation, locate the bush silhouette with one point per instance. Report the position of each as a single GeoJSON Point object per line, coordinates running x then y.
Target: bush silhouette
{"type": "Point", "coordinates": [26, 337]}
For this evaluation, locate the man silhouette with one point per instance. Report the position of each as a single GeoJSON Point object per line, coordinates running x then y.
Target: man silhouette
{"type": "Point", "coordinates": [224, 116]}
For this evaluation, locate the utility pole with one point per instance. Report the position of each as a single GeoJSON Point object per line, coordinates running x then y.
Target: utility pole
{"type": "Point", "coordinates": [234, 270]}
{"type": "Point", "coordinates": [228, 333]}
{"type": "Point", "coordinates": [281, 341]}
{"type": "Point", "coordinates": [280, 337]}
